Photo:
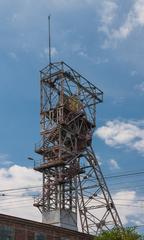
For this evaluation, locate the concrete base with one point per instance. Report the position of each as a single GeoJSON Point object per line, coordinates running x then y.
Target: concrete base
{"type": "Point", "coordinates": [61, 218]}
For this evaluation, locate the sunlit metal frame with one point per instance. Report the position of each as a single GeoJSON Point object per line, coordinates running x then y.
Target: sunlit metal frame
{"type": "Point", "coordinates": [72, 178]}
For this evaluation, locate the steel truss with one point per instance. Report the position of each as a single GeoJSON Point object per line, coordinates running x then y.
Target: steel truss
{"type": "Point", "coordinates": [72, 178]}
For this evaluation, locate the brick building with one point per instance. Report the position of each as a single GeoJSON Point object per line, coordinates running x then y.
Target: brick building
{"type": "Point", "coordinates": [13, 228]}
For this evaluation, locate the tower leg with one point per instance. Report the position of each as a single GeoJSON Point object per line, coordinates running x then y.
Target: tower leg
{"type": "Point", "coordinates": [96, 206]}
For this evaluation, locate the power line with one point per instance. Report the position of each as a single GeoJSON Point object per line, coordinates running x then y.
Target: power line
{"type": "Point", "coordinates": [108, 177]}
{"type": "Point", "coordinates": [125, 188]}
{"type": "Point", "coordinates": [125, 175]}
{"type": "Point", "coordinates": [10, 206]}
{"type": "Point", "coordinates": [21, 198]}
{"type": "Point", "coordinates": [21, 188]}
{"type": "Point", "coordinates": [2, 192]}
{"type": "Point", "coordinates": [129, 205]}
{"type": "Point", "coordinates": [138, 226]}
{"type": "Point", "coordinates": [137, 200]}
{"type": "Point", "coordinates": [18, 206]}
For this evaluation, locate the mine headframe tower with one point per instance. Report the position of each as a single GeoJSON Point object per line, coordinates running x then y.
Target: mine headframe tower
{"type": "Point", "coordinates": [73, 184]}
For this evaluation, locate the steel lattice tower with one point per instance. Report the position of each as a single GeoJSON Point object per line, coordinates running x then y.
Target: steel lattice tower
{"type": "Point", "coordinates": [73, 184]}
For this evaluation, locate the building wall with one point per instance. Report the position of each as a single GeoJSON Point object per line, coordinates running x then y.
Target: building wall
{"type": "Point", "coordinates": [12, 228]}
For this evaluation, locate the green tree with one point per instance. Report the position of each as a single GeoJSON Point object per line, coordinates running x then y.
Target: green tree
{"type": "Point", "coordinates": [119, 234]}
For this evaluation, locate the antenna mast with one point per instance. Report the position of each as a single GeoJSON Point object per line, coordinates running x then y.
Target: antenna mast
{"type": "Point", "coordinates": [49, 28]}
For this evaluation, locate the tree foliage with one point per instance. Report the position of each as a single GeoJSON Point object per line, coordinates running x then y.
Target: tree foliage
{"type": "Point", "coordinates": [120, 234]}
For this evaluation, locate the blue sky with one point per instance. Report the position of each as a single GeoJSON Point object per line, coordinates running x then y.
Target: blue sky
{"type": "Point", "coordinates": [103, 40]}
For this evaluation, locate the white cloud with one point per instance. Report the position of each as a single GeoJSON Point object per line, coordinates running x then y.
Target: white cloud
{"type": "Point", "coordinates": [134, 19]}
{"type": "Point", "coordinates": [114, 164]}
{"type": "Point", "coordinates": [133, 73]}
{"type": "Point", "coordinates": [54, 51]}
{"type": "Point", "coordinates": [129, 206]}
{"type": "Point", "coordinates": [140, 87]}
{"type": "Point", "coordinates": [139, 145]}
{"type": "Point", "coordinates": [99, 159]}
{"type": "Point", "coordinates": [13, 55]}
{"type": "Point", "coordinates": [119, 133]}
{"type": "Point", "coordinates": [108, 9]}
{"type": "Point", "coordinates": [4, 159]}
{"type": "Point", "coordinates": [82, 53]}
{"type": "Point", "coordinates": [19, 203]}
